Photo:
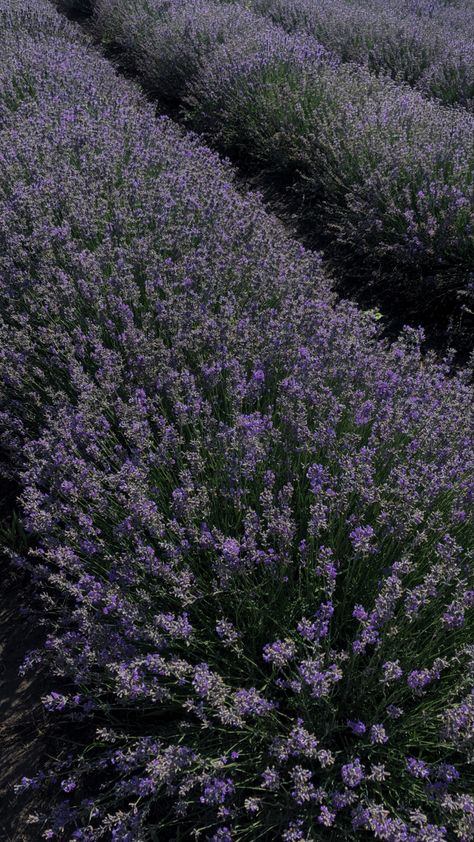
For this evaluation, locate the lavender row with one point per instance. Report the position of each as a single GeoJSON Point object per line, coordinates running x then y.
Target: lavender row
{"type": "Point", "coordinates": [424, 52]}
{"type": "Point", "coordinates": [427, 45]}
{"type": "Point", "coordinates": [455, 15]}
{"type": "Point", "coordinates": [388, 175]}
{"type": "Point", "coordinates": [250, 518]}
{"type": "Point", "coordinates": [34, 16]}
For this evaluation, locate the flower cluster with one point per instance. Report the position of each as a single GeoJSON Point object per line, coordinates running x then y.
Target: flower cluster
{"type": "Point", "coordinates": [250, 516]}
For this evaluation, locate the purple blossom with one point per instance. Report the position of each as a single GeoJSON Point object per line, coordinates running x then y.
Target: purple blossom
{"type": "Point", "coordinates": [326, 816]}
{"type": "Point", "coordinates": [378, 735]}
{"type": "Point", "coordinates": [224, 834]}
{"type": "Point", "coordinates": [361, 539]}
{"type": "Point", "coordinates": [231, 552]}
{"type": "Point", "coordinates": [303, 789]}
{"type": "Point", "coordinates": [227, 632]}
{"type": "Point", "coordinates": [392, 671]}
{"type": "Point", "coordinates": [320, 680]}
{"type": "Point", "coordinates": [356, 726]}
{"type": "Point", "coordinates": [360, 613]}
{"type": "Point", "coordinates": [417, 768]}
{"type": "Point", "coordinates": [447, 773]}
{"type": "Point", "coordinates": [417, 680]}
{"type": "Point", "coordinates": [270, 779]}
{"type": "Point", "coordinates": [216, 790]}
{"type": "Point", "coordinates": [353, 773]}
{"type": "Point", "coordinates": [251, 702]}
{"type": "Point", "coordinates": [55, 702]}
{"type": "Point", "coordinates": [176, 626]}
{"type": "Point", "coordinates": [279, 653]}
{"type": "Point", "coordinates": [295, 832]}
{"type": "Point", "coordinates": [68, 785]}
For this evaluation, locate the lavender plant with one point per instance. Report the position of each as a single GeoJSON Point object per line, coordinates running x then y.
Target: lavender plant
{"type": "Point", "coordinates": [251, 518]}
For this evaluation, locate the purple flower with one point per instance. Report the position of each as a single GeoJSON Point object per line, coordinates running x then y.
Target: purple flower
{"type": "Point", "coordinates": [361, 539]}
{"type": "Point", "coordinates": [454, 616]}
{"type": "Point", "coordinates": [55, 702]}
{"type": "Point", "coordinates": [279, 653]}
{"type": "Point", "coordinates": [227, 632]}
{"type": "Point", "coordinates": [356, 726]}
{"type": "Point", "coordinates": [224, 834]}
{"type": "Point", "coordinates": [378, 735]}
{"type": "Point", "coordinates": [176, 626]}
{"type": "Point", "coordinates": [270, 779]}
{"type": "Point", "coordinates": [231, 552]}
{"type": "Point", "coordinates": [447, 773]}
{"type": "Point", "coordinates": [217, 790]}
{"type": "Point", "coordinates": [294, 832]}
{"type": "Point", "coordinates": [360, 613]}
{"type": "Point", "coordinates": [326, 817]}
{"type": "Point", "coordinates": [419, 679]}
{"type": "Point", "coordinates": [252, 805]}
{"type": "Point", "coordinates": [68, 785]}
{"type": "Point", "coordinates": [303, 789]}
{"type": "Point", "coordinates": [321, 680]}
{"type": "Point", "coordinates": [417, 768]}
{"type": "Point", "coordinates": [353, 773]}
{"type": "Point", "coordinates": [392, 671]}
{"type": "Point", "coordinates": [251, 702]}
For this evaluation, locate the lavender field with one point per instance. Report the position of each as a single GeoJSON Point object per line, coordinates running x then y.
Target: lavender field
{"type": "Point", "coordinates": [237, 510]}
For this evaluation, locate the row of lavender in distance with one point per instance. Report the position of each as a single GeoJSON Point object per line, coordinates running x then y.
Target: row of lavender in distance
{"type": "Point", "coordinates": [419, 50]}
{"type": "Point", "coordinates": [387, 174]}
{"type": "Point", "coordinates": [456, 15]}
{"type": "Point", "coordinates": [250, 518]}
{"type": "Point", "coordinates": [34, 17]}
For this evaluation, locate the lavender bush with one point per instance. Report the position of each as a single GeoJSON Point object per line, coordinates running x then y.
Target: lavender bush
{"type": "Point", "coordinates": [251, 519]}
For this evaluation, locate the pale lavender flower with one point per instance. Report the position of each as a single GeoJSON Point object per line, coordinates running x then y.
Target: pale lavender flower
{"type": "Point", "coordinates": [353, 773]}
{"type": "Point", "coordinates": [378, 735]}
{"type": "Point", "coordinates": [417, 768]}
